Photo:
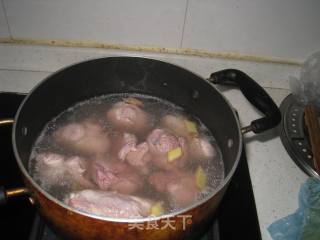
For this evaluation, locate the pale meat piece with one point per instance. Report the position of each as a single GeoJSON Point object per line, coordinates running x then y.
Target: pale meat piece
{"type": "Point", "coordinates": [175, 124]}
{"type": "Point", "coordinates": [116, 176]}
{"type": "Point", "coordinates": [201, 149]}
{"type": "Point", "coordinates": [128, 118]}
{"type": "Point", "coordinates": [58, 169]}
{"type": "Point", "coordinates": [125, 148]}
{"type": "Point", "coordinates": [50, 168]}
{"type": "Point", "coordinates": [180, 187]}
{"type": "Point", "coordinates": [140, 158]}
{"type": "Point", "coordinates": [87, 137]}
{"type": "Point", "coordinates": [76, 167]}
{"type": "Point", "coordinates": [109, 204]}
{"type": "Point", "coordinates": [161, 142]}
{"type": "Point", "coordinates": [122, 144]}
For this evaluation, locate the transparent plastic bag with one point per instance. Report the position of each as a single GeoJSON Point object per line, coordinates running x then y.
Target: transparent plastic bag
{"type": "Point", "coordinates": [304, 224]}
{"type": "Point", "coordinates": [307, 87]}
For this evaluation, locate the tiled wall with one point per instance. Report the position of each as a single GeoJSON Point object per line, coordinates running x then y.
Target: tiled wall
{"type": "Point", "coordinates": [4, 31]}
{"type": "Point", "coordinates": [286, 28]}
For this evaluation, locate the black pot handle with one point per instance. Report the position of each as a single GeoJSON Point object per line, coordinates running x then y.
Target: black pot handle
{"type": "Point", "coordinates": [15, 192]}
{"type": "Point", "coordinates": [255, 94]}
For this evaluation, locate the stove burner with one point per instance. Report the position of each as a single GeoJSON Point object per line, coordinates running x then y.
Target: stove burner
{"type": "Point", "coordinates": [236, 217]}
{"type": "Point", "coordinates": [293, 134]}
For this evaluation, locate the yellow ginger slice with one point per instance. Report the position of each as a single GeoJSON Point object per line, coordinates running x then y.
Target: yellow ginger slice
{"type": "Point", "coordinates": [191, 127]}
{"type": "Point", "coordinates": [157, 209]}
{"type": "Point", "coordinates": [174, 154]}
{"type": "Point", "coordinates": [134, 101]}
{"type": "Point", "coordinates": [201, 178]}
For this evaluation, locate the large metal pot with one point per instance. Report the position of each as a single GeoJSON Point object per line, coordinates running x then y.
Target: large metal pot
{"type": "Point", "coordinates": [135, 75]}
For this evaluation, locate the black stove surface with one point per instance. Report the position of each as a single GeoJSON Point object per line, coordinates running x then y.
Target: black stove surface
{"type": "Point", "coordinates": [236, 217]}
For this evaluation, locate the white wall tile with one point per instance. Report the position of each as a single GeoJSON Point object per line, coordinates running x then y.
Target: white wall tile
{"type": "Point", "coordinates": [4, 32]}
{"type": "Point", "coordinates": [144, 22]}
{"type": "Point", "coordinates": [287, 28]}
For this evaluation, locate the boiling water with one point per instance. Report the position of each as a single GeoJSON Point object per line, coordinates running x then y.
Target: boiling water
{"type": "Point", "coordinates": [58, 185]}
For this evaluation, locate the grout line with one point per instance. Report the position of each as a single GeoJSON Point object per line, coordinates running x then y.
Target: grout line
{"type": "Point", "coordinates": [23, 70]}
{"type": "Point", "coordinates": [160, 50]}
{"type": "Point", "coordinates": [278, 88]}
{"type": "Point", "coordinates": [184, 22]}
{"type": "Point", "coordinates": [6, 17]}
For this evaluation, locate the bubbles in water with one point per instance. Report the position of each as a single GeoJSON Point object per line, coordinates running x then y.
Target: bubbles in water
{"type": "Point", "coordinates": [63, 179]}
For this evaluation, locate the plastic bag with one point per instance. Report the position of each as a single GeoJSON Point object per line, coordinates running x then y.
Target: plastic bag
{"type": "Point", "coordinates": [307, 87]}
{"type": "Point", "coordinates": [304, 224]}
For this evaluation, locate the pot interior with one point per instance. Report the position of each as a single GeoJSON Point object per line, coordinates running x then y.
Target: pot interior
{"type": "Point", "coordinates": [126, 75]}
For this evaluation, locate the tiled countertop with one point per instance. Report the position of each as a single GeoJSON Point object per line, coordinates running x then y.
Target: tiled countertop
{"type": "Point", "coordinates": [275, 177]}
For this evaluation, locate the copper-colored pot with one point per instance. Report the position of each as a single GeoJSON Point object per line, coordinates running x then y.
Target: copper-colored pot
{"type": "Point", "coordinates": [136, 75]}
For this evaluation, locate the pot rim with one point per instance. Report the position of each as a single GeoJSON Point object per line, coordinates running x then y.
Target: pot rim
{"type": "Point", "coordinates": [124, 220]}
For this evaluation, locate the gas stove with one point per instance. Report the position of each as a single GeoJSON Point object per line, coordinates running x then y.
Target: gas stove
{"type": "Point", "coordinates": [236, 217]}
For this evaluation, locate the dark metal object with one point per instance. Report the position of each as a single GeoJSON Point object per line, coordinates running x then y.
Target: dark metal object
{"type": "Point", "coordinates": [14, 192]}
{"type": "Point", "coordinates": [256, 95]}
{"type": "Point", "coordinates": [3, 196]}
{"type": "Point", "coordinates": [16, 217]}
{"type": "Point", "coordinates": [130, 75]}
{"type": "Point", "coordinates": [19, 212]}
{"type": "Point", "coordinates": [312, 125]}
{"type": "Point", "coordinates": [8, 121]}
{"type": "Point", "coordinates": [293, 135]}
